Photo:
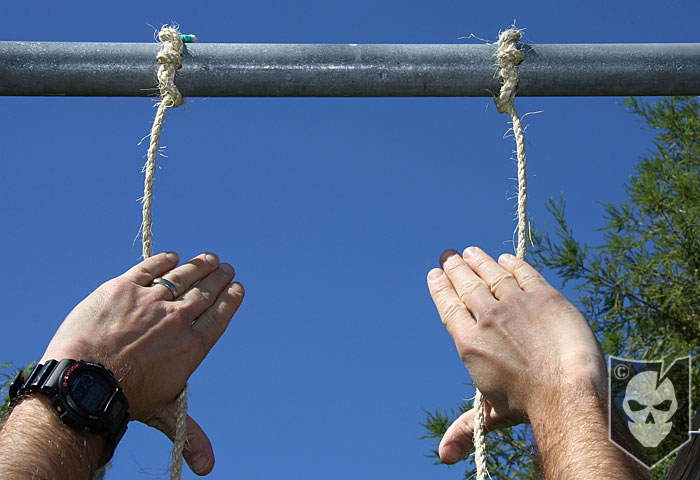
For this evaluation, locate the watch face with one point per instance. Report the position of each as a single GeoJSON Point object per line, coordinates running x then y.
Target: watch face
{"type": "Point", "coordinates": [89, 389]}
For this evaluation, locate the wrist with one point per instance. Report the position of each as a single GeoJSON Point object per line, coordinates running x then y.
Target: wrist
{"type": "Point", "coordinates": [567, 398]}
{"type": "Point", "coordinates": [582, 381]}
{"type": "Point", "coordinates": [572, 432]}
{"type": "Point", "coordinates": [81, 350]}
{"type": "Point", "coordinates": [34, 443]}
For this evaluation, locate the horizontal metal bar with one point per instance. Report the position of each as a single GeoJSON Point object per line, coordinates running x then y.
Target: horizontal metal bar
{"type": "Point", "coordinates": [342, 70]}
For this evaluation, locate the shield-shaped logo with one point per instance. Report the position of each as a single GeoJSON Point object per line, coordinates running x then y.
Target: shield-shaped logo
{"type": "Point", "coordinates": [654, 405]}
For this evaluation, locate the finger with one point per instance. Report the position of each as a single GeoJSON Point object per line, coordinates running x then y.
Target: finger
{"type": "Point", "coordinates": [151, 268]}
{"type": "Point", "coordinates": [187, 274]}
{"type": "Point", "coordinates": [212, 323]}
{"type": "Point", "coordinates": [198, 451]}
{"type": "Point", "coordinates": [499, 280]}
{"type": "Point", "coordinates": [200, 454]}
{"type": "Point", "coordinates": [458, 440]}
{"type": "Point", "coordinates": [454, 315]}
{"type": "Point", "coordinates": [527, 277]}
{"type": "Point", "coordinates": [203, 295]}
{"type": "Point", "coordinates": [471, 290]}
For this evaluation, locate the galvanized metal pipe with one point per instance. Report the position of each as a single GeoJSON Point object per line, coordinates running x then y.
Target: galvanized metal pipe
{"type": "Point", "coordinates": [341, 70]}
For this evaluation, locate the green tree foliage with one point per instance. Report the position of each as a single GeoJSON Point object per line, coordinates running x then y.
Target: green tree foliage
{"type": "Point", "coordinates": [639, 289]}
{"type": "Point", "coordinates": [511, 453]}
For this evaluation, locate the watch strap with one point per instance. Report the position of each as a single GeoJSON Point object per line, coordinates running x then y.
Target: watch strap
{"type": "Point", "coordinates": [46, 378]}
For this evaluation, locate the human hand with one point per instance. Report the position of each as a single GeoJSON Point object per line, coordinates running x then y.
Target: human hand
{"type": "Point", "coordinates": [151, 342]}
{"type": "Point", "coordinates": [521, 340]}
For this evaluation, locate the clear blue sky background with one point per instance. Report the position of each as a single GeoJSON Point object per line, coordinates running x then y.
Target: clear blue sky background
{"type": "Point", "coordinates": [331, 210]}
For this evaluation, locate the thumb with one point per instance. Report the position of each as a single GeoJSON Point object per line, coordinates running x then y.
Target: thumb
{"type": "Point", "coordinates": [198, 452]}
{"type": "Point", "coordinates": [459, 437]}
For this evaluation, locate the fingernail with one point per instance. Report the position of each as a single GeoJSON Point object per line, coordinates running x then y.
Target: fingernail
{"type": "Point", "coordinates": [451, 453]}
{"type": "Point", "coordinates": [447, 254]}
{"type": "Point", "coordinates": [236, 288]}
{"type": "Point", "coordinates": [199, 462]}
{"type": "Point", "coordinates": [469, 252]}
{"type": "Point", "coordinates": [172, 257]}
{"type": "Point", "coordinates": [212, 259]}
{"type": "Point", "coordinates": [505, 258]}
{"type": "Point", "coordinates": [434, 274]}
{"type": "Point", "coordinates": [226, 268]}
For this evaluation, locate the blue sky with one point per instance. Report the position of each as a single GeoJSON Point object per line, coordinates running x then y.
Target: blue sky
{"type": "Point", "coordinates": [331, 210]}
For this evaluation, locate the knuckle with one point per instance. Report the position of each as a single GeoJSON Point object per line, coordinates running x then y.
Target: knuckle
{"type": "Point", "coordinates": [491, 313]}
{"type": "Point", "coordinates": [117, 288]}
{"type": "Point", "coordinates": [552, 296]}
{"type": "Point", "coordinates": [467, 289]}
{"type": "Point", "coordinates": [528, 276]}
{"type": "Point", "coordinates": [465, 430]}
{"type": "Point", "coordinates": [440, 287]}
{"type": "Point", "coordinates": [175, 310]}
{"type": "Point", "coordinates": [203, 296]}
{"type": "Point", "coordinates": [467, 350]}
{"type": "Point", "coordinates": [479, 261]}
{"type": "Point", "coordinates": [145, 269]}
{"type": "Point", "coordinates": [450, 312]}
{"type": "Point", "coordinates": [496, 314]}
{"type": "Point", "coordinates": [500, 280]}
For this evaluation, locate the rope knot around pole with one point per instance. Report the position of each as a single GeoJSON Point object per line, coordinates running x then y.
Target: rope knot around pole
{"type": "Point", "coordinates": [508, 57]}
{"type": "Point", "coordinates": [170, 59]}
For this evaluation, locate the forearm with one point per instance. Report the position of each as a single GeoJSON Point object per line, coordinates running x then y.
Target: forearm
{"type": "Point", "coordinates": [573, 437]}
{"type": "Point", "coordinates": [35, 444]}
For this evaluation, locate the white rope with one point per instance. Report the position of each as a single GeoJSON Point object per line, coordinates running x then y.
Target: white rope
{"type": "Point", "coordinates": [508, 56]}
{"type": "Point", "coordinates": [479, 440]}
{"type": "Point", "coordinates": [170, 59]}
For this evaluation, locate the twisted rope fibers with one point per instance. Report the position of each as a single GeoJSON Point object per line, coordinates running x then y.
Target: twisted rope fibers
{"type": "Point", "coordinates": [170, 59]}
{"type": "Point", "coordinates": [508, 56]}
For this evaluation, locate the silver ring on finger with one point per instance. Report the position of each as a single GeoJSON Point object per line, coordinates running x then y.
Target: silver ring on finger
{"type": "Point", "coordinates": [168, 284]}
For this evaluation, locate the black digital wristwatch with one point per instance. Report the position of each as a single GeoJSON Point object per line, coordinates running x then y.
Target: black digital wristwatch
{"type": "Point", "coordinates": [86, 396]}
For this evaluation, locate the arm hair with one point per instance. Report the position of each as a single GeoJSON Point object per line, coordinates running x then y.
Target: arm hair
{"type": "Point", "coordinates": [35, 444]}
{"type": "Point", "coordinates": [573, 438]}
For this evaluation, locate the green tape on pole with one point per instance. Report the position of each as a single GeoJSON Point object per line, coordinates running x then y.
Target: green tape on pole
{"type": "Point", "coordinates": [188, 38]}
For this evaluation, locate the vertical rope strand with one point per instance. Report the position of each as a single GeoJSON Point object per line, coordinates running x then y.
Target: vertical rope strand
{"type": "Point", "coordinates": [180, 435]}
{"type": "Point", "coordinates": [479, 437]}
{"type": "Point", "coordinates": [508, 56]}
{"type": "Point", "coordinates": [170, 59]}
